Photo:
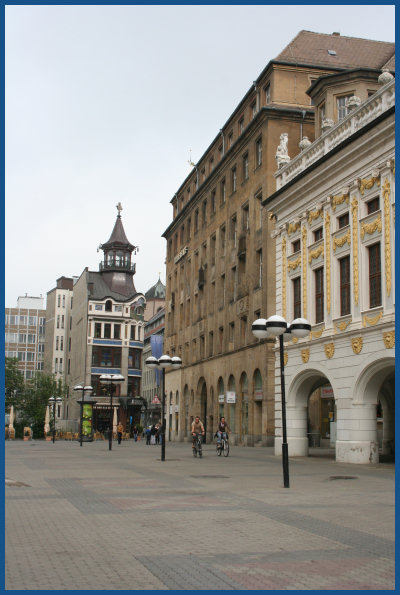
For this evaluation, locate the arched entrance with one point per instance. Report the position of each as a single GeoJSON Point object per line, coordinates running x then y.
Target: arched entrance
{"type": "Point", "coordinates": [231, 404]}
{"type": "Point", "coordinates": [258, 395]}
{"type": "Point", "coordinates": [186, 395]}
{"type": "Point", "coordinates": [201, 400]}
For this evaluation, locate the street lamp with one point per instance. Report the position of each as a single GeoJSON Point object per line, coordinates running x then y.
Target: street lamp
{"type": "Point", "coordinates": [164, 362]}
{"type": "Point", "coordinates": [88, 430]}
{"type": "Point", "coordinates": [276, 326]}
{"type": "Point", "coordinates": [52, 402]}
{"type": "Point", "coordinates": [111, 381]}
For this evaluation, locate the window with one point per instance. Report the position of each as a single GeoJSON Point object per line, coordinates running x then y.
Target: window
{"type": "Point", "coordinates": [319, 295]}
{"type": "Point", "coordinates": [223, 192]}
{"type": "Point", "coordinates": [344, 267]}
{"type": "Point", "coordinates": [61, 343]}
{"type": "Point", "coordinates": [213, 203]}
{"type": "Point", "coordinates": [296, 246]}
{"type": "Point", "coordinates": [106, 357]}
{"type": "Point", "coordinates": [21, 338]}
{"type": "Point", "coordinates": [241, 125]}
{"type": "Point", "coordinates": [32, 320]}
{"type": "Point", "coordinates": [107, 331]}
{"type": "Point", "coordinates": [57, 341]}
{"type": "Point", "coordinates": [373, 205]}
{"type": "Point", "coordinates": [230, 140]}
{"type": "Point", "coordinates": [222, 239]}
{"type": "Point", "coordinates": [196, 221]}
{"type": "Point", "coordinates": [204, 212]}
{"type": "Point", "coordinates": [234, 230]}
{"type": "Point", "coordinates": [258, 152]}
{"type": "Point", "coordinates": [59, 301]}
{"type": "Point", "coordinates": [231, 335]}
{"type": "Point", "coordinates": [189, 224]}
{"type": "Point", "coordinates": [375, 295]}
{"type": "Point", "coordinates": [318, 234]}
{"type": "Point", "coordinates": [21, 356]}
{"type": "Point", "coordinates": [117, 331]}
{"type": "Point", "coordinates": [63, 301]}
{"type": "Point", "coordinates": [296, 298]}
{"type": "Point", "coordinates": [245, 218]}
{"type": "Point", "coordinates": [213, 243]}
{"type": "Point", "coordinates": [253, 109]}
{"type": "Point", "coordinates": [245, 166]}
{"type": "Point", "coordinates": [108, 307]}
{"type": "Point", "coordinates": [259, 267]}
{"type": "Point", "coordinates": [343, 220]}
{"type": "Point", "coordinates": [41, 348]}
{"type": "Point", "coordinates": [341, 107]}
{"type": "Point", "coordinates": [321, 112]}
{"type": "Point", "coordinates": [203, 174]}
{"type": "Point", "coordinates": [134, 359]}
{"type": "Point", "coordinates": [30, 356]}
{"type": "Point", "coordinates": [97, 330]}
{"type": "Point", "coordinates": [211, 164]}
{"type": "Point", "coordinates": [233, 179]}
{"type": "Point", "coordinates": [58, 321]}
{"type": "Point", "coordinates": [259, 211]}
{"type": "Point", "coordinates": [210, 344]}
{"type": "Point", "coordinates": [267, 91]}
{"type": "Point", "coordinates": [133, 333]}
{"type": "Point", "coordinates": [221, 151]}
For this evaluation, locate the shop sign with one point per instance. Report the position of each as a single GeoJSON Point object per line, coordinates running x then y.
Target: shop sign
{"type": "Point", "coordinates": [156, 400]}
{"type": "Point", "coordinates": [87, 412]}
{"type": "Point", "coordinates": [326, 392]}
{"type": "Point", "coordinates": [230, 397]}
{"type": "Point", "coordinates": [221, 398]}
{"type": "Point", "coordinates": [258, 394]}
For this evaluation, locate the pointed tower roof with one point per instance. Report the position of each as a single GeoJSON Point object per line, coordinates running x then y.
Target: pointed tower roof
{"type": "Point", "coordinates": [157, 291]}
{"type": "Point", "coordinates": [118, 237]}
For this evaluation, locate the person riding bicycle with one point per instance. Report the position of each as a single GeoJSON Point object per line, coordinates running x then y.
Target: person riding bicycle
{"type": "Point", "coordinates": [197, 428]}
{"type": "Point", "coordinates": [223, 430]}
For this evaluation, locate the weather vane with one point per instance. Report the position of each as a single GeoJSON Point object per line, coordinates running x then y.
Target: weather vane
{"type": "Point", "coordinates": [119, 209]}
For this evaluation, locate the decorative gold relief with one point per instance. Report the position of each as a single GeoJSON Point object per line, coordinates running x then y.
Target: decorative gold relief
{"type": "Point", "coordinates": [305, 355]}
{"type": "Point", "coordinates": [295, 340]}
{"type": "Point", "coordinates": [372, 320]}
{"type": "Point", "coordinates": [368, 184]}
{"type": "Point", "coordinates": [317, 334]}
{"type": "Point", "coordinates": [370, 228]}
{"type": "Point", "coordinates": [388, 255]}
{"type": "Point", "coordinates": [342, 326]}
{"type": "Point", "coordinates": [354, 211]}
{"type": "Point", "coordinates": [304, 236]}
{"type": "Point", "coordinates": [292, 227]}
{"type": "Point", "coordinates": [329, 350]}
{"type": "Point", "coordinates": [338, 200]}
{"type": "Point", "coordinates": [328, 261]}
{"type": "Point", "coordinates": [285, 358]}
{"type": "Point", "coordinates": [314, 215]}
{"type": "Point", "coordinates": [339, 242]}
{"type": "Point", "coordinates": [313, 254]}
{"type": "Point", "coordinates": [293, 264]}
{"type": "Point", "coordinates": [389, 339]}
{"type": "Point", "coordinates": [284, 277]}
{"type": "Point", "coordinates": [357, 345]}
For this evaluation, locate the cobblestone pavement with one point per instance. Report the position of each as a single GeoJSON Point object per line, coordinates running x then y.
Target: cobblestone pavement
{"type": "Point", "coordinates": [85, 518]}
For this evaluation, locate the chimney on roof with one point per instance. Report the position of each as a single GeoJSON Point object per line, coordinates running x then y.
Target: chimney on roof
{"type": "Point", "coordinates": [336, 33]}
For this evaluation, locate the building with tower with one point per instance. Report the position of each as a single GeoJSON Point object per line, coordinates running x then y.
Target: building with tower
{"type": "Point", "coordinates": [107, 332]}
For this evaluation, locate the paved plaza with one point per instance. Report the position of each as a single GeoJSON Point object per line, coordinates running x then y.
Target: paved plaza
{"type": "Point", "coordinates": [85, 518]}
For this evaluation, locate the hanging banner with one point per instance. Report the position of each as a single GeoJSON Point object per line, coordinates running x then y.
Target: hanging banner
{"type": "Point", "coordinates": [221, 398]}
{"type": "Point", "coordinates": [87, 421]}
{"type": "Point", "coordinates": [156, 342]}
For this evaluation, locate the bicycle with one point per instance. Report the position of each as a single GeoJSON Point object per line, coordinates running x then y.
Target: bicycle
{"type": "Point", "coordinates": [223, 446]}
{"type": "Point", "coordinates": [197, 447]}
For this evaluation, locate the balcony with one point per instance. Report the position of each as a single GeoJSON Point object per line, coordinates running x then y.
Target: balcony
{"type": "Point", "coordinates": [113, 265]}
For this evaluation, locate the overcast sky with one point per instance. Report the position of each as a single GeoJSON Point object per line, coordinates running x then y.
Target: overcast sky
{"type": "Point", "coordinates": [104, 104]}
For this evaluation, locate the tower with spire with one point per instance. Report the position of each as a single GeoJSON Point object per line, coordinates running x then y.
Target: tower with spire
{"type": "Point", "coordinates": [107, 332]}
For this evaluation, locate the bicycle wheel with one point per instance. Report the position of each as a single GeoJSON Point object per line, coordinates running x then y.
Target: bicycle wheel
{"type": "Point", "coordinates": [226, 448]}
{"type": "Point", "coordinates": [194, 452]}
{"type": "Point", "coordinates": [198, 445]}
{"type": "Point", "coordinates": [219, 449]}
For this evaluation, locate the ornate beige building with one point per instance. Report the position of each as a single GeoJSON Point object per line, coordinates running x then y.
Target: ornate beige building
{"type": "Point", "coordinates": [220, 254]}
{"type": "Point", "coordinates": [334, 232]}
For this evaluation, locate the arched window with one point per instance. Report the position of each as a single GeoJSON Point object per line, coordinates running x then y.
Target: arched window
{"type": "Point", "coordinates": [108, 307]}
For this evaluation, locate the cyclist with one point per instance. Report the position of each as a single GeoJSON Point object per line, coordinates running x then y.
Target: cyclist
{"type": "Point", "coordinates": [197, 428]}
{"type": "Point", "coordinates": [222, 430]}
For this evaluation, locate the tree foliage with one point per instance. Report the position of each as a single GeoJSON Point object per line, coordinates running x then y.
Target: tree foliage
{"type": "Point", "coordinates": [14, 382]}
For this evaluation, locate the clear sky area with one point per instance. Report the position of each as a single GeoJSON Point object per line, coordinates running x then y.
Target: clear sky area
{"type": "Point", "coordinates": [108, 104]}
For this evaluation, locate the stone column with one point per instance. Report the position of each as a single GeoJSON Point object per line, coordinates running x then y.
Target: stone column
{"type": "Point", "coordinates": [356, 433]}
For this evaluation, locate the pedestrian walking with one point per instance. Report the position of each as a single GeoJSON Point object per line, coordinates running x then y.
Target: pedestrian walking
{"type": "Point", "coordinates": [135, 433]}
{"type": "Point", "coordinates": [120, 429]}
{"type": "Point", "coordinates": [148, 435]}
{"type": "Point", "coordinates": [153, 434]}
{"type": "Point", "coordinates": [158, 432]}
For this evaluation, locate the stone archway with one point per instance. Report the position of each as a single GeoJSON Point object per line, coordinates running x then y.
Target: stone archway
{"type": "Point", "coordinates": [297, 397]}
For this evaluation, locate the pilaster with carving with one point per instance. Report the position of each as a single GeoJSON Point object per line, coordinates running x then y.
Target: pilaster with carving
{"type": "Point", "coordinates": [284, 277]}
{"type": "Point", "coordinates": [388, 249]}
{"type": "Point", "coordinates": [328, 260]}
{"type": "Point", "coordinates": [304, 240]}
{"type": "Point", "coordinates": [354, 212]}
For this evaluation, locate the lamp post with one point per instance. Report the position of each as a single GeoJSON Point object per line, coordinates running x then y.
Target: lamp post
{"type": "Point", "coordinates": [52, 402]}
{"type": "Point", "coordinates": [276, 326]}
{"type": "Point", "coordinates": [84, 389]}
{"type": "Point", "coordinates": [111, 380]}
{"type": "Point", "coordinates": [164, 362]}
